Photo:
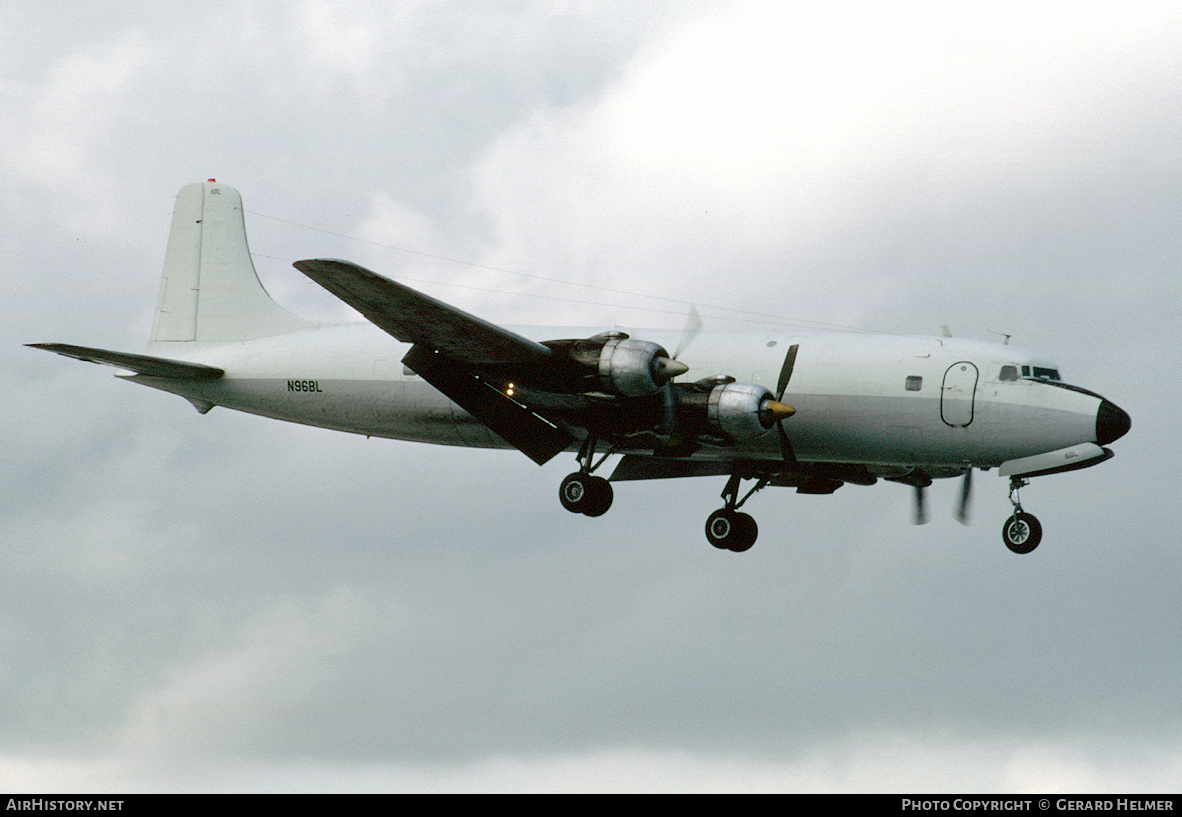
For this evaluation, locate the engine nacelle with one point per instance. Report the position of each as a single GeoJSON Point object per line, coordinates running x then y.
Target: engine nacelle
{"type": "Point", "coordinates": [632, 367]}
{"type": "Point", "coordinates": [740, 411]}
{"type": "Point", "coordinates": [623, 366]}
{"type": "Point", "coordinates": [614, 363]}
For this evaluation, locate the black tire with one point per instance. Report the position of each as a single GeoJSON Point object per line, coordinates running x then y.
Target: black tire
{"type": "Point", "coordinates": [1021, 532]}
{"type": "Point", "coordinates": [731, 530]}
{"type": "Point", "coordinates": [746, 532]}
{"type": "Point", "coordinates": [720, 527]}
{"type": "Point", "coordinates": [573, 493]}
{"type": "Point", "coordinates": [598, 496]}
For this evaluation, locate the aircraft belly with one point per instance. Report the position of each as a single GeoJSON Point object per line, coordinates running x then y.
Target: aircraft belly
{"type": "Point", "coordinates": [873, 429]}
{"type": "Point", "coordinates": [398, 409]}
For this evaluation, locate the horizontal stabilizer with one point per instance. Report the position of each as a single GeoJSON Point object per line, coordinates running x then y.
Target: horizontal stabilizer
{"type": "Point", "coordinates": [412, 317]}
{"type": "Point", "coordinates": [140, 364]}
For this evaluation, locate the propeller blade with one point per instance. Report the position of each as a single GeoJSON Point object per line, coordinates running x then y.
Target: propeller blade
{"type": "Point", "coordinates": [786, 370]}
{"type": "Point", "coordinates": [669, 424]}
{"type": "Point", "coordinates": [786, 450]}
{"type": "Point", "coordinates": [966, 491]}
{"type": "Point", "coordinates": [921, 513]}
{"type": "Point", "coordinates": [693, 323]}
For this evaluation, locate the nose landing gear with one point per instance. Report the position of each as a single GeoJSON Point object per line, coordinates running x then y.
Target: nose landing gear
{"type": "Point", "coordinates": [1022, 532]}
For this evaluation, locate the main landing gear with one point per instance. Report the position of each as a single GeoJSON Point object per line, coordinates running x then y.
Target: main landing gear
{"type": "Point", "coordinates": [582, 492]}
{"type": "Point", "coordinates": [728, 528]}
{"type": "Point", "coordinates": [1022, 531]}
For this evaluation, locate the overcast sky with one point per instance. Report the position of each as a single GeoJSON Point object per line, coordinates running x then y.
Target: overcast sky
{"type": "Point", "coordinates": [224, 602]}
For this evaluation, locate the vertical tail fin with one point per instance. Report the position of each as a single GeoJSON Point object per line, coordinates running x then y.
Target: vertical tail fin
{"type": "Point", "coordinates": [209, 290]}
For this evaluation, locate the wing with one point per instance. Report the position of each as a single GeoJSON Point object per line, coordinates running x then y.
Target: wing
{"type": "Point", "coordinates": [140, 364]}
{"type": "Point", "coordinates": [451, 350]}
{"type": "Point", "coordinates": [413, 317]}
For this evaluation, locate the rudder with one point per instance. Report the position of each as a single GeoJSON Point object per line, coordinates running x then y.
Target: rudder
{"type": "Point", "coordinates": [209, 290]}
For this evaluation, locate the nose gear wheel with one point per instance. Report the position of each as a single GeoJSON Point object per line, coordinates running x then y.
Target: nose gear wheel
{"type": "Point", "coordinates": [1021, 532]}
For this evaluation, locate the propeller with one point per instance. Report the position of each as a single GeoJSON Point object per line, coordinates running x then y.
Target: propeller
{"type": "Point", "coordinates": [693, 323]}
{"type": "Point", "coordinates": [672, 367]}
{"type": "Point", "coordinates": [669, 424]}
{"type": "Point", "coordinates": [966, 492]}
{"type": "Point", "coordinates": [921, 481]}
{"type": "Point", "coordinates": [785, 375]}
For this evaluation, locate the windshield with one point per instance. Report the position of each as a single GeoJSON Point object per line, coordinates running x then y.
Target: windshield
{"type": "Point", "coordinates": [1040, 372]}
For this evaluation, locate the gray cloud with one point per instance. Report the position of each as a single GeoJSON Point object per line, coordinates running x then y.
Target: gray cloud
{"type": "Point", "coordinates": [189, 597]}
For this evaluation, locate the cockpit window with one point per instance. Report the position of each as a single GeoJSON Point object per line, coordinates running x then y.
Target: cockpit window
{"type": "Point", "coordinates": [1040, 372]}
{"type": "Point", "coordinates": [1008, 373]}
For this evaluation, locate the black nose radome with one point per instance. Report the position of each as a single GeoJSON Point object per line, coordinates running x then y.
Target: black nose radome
{"type": "Point", "coordinates": [1112, 423]}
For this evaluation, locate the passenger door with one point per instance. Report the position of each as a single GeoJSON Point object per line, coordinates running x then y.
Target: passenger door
{"type": "Point", "coordinates": [957, 394]}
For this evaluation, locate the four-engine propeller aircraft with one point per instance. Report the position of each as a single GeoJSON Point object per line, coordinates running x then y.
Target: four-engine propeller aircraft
{"type": "Point", "coordinates": [792, 408]}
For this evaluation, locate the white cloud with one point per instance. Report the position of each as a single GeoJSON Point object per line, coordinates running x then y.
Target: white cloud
{"type": "Point", "coordinates": [752, 143]}
{"type": "Point", "coordinates": [58, 135]}
{"type": "Point", "coordinates": [880, 765]}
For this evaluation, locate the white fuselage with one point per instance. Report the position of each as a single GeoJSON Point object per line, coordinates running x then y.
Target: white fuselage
{"type": "Point", "coordinates": [880, 400]}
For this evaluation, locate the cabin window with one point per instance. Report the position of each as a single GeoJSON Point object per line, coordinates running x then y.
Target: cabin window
{"type": "Point", "coordinates": [1008, 373]}
{"type": "Point", "coordinates": [914, 383]}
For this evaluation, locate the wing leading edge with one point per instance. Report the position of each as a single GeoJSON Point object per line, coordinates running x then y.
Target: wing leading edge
{"type": "Point", "coordinates": [413, 317]}
{"type": "Point", "coordinates": [451, 350]}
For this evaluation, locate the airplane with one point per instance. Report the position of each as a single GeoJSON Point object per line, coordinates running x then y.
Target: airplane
{"type": "Point", "coordinates": [806, 409]}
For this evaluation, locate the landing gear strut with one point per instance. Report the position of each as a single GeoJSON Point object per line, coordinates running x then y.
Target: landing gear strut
{"type": "Point", "coordinates": [581, 492]}
{"type": "Point", "coordinates": [727, 528]}
{"type": "Point", "coordinates": [1022, 532]}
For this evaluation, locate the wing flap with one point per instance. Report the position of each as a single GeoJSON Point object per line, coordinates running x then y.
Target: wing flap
{"type": "Point", "coordinates": [140, 364]}
{"type": "Point", "coordinates": [634, 466]}
{"type": "Point", "coordinates": [412, 317]}
{"type": "Point", "coordinates": [516, 424]}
